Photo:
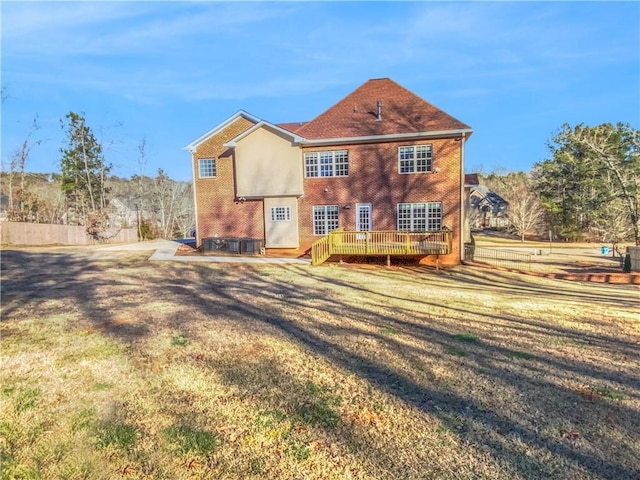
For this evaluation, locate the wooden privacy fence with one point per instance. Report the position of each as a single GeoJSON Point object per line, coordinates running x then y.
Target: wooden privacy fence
{"type": "Point", "coordinates": [21, 233]}
{"type": "Point", "coordinates": [379, 243]}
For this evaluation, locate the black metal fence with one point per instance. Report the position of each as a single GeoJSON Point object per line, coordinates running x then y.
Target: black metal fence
{"type": "Point", "coordinates": [501, 258]}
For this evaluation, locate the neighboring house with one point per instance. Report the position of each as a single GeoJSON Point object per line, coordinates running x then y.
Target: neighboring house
{"type": "Point", "coordinates": [487, 209]}
{"type": "Point", "coordinates": [127, 217]}
{"type": "Point", "coordinates": [381, 158]}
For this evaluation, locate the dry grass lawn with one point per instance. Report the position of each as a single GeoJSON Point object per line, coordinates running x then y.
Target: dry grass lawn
{"type": "Point", "coordinates": [116, 367]}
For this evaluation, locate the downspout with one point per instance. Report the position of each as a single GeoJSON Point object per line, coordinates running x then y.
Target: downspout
{"type": "Point", "coordinates": [195, 197]}
{"type": "Point", "coordinates": [463, 212]}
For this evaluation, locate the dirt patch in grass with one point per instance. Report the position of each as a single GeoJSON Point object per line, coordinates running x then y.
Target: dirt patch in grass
{"type": "Point", "coordinates": [114, 367]}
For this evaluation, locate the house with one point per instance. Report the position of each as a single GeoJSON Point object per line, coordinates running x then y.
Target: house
{"type": "Point", "coordinates": [486, 209]}
{"type": "Point", "coordinates": [381, 159]}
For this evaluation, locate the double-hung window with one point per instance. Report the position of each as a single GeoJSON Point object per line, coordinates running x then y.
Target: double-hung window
{"type": "Point", "coordinates": [334, 163]}
{"type": "Point", "coordinates": [325, 219]}
{"type": "Point", "coordinates": [207, 167]}
{"type": "Point", "coordinates": [280, 214]}
{"type": "Point", "coordinates": [415, 159]}
{"type": "Point", "coordinates": [420, 217]}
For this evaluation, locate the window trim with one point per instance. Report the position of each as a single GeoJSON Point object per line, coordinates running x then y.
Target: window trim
{"type": "Point", "coordinates": [428, 159]}
{"type": "Point", "coordinates": [314, 165]}
{"type": "Point", "coordinates": [326, 220]}
{"type": "Point", "coordinates": [214, 169]}
{"type": "Point", "coordinates": [429, 218]}
{"type": "Point", "coordinates": [286, 213]}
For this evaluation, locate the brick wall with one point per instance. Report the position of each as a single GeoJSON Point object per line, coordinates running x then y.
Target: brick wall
{"type": "Point", "coordinates": [374, 178]}
{"type": "Point", "coordinates": [218, 211]}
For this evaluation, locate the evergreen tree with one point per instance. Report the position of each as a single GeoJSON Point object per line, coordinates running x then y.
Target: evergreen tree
{"type": "Point", "coordinates": [591, 184]}
{"type": "Point", "coordinates": [84, 170]}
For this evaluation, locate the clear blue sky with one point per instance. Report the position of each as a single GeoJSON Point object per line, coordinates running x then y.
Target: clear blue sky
{"type": "Point", "coordinates": [170, 71]}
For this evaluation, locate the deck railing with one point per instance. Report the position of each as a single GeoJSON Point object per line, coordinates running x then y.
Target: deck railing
{"type": "Point", "coordinates": [320, 251]}
{"type": "Point", "coordinates": [389, 243]}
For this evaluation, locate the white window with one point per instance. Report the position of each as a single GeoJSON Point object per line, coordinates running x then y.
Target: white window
{"type": "Point", "coordinates": [414, 159]}
{"type": "Point", "coordinates": [334, 163]}
{"type": "Point", "coordinates": [420, 217]}
{"type": "Point", "coordinates": [325, 219]}
{"type": "Point", "coordinates": [207, 167]}
{"type": "Point", "coordinates": [280, 214]}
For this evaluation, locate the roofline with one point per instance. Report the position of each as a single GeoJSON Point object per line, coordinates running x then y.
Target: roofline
{"type": "Point", "coordinates": [198, 141]}
{"type": "Point", "coordinates": [462, 132]}
{"type": "Point", "coordinates": [263, 123]}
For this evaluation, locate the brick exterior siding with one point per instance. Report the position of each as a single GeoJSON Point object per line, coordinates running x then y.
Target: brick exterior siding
{"type": "Point", "coordinates": [374, 178]}
{"type": "Point", "coordinates": [218, 211]}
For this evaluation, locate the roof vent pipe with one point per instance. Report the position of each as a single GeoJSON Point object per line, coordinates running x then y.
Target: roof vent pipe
{"type": "Point", "coordinates": [379, 105]}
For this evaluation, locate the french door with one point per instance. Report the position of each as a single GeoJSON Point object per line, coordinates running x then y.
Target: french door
{"type": "Point", "coordinates": [363, 219]}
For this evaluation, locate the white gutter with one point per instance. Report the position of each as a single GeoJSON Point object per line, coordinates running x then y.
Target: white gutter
{"type": "Point", "coordinates": [195, 197]}
{"type": "Point", "coordinates": [202, 138]}
{"type": "Point", "coordinates": [392, 136]}
{"type": "Point", "coordinates": [295, 139]}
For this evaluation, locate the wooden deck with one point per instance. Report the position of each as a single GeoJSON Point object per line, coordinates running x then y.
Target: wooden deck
{"type": "Point", "coordinates": [381, 243]}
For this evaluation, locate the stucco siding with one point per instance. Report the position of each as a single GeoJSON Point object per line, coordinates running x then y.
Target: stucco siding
{"type": "Point", "coordinates": [267, 164]}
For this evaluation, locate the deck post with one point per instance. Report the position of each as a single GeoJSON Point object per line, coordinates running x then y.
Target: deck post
{"type": "Point", "coordinates": [388, 260]}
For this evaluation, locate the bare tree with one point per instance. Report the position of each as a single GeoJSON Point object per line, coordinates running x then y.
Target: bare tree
{"type": "Point", "coordinates": [185, 217]}
{"type": "Point", "coordinates": [17, 194]}
{"type": "Point", "coordinates": [172, 200]}
{"type": "Point", "coordinates": [525, 214]}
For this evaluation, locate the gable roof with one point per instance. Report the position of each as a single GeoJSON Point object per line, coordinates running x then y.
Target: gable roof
{"type": "Point", "coordinates": [276, 128]}
{"type": "Point", "coordinates": [402, 113]}
{"type": "Point", "coordinates": [357, 118]}
{"type": "Point", "coordinates": [291, 126]}
{"type": "Point", "coordinates": [221, 126]}
{"type": "Point", "coordinates": [490, 196]}
{"type": "Point", "coordinates": [471, 179]}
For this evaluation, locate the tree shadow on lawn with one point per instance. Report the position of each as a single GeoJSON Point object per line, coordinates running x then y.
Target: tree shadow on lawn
{"type": "Point", "coordinates": [315, 309]}
{"type": "Point", "coordinates": [325, 339]}
{"type": "Point", "coordinates": [35, 278]}
{"type": "Point", "coordinates": [516, 284]}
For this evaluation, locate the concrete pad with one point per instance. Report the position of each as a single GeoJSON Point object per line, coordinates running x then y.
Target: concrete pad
{"type": "Point", "coordinates": [165, 250]}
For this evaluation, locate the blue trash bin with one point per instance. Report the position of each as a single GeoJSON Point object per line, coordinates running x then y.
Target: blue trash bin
{"type": "Point", "coordinates": [604, 250]}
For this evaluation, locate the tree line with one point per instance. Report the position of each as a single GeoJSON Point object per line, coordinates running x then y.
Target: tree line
{"type": "Point", "coordinates": [84, 192]}
{"type": "Point", "coordinates": [588, 188]}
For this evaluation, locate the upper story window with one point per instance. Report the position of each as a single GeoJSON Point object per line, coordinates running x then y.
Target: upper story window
{"type": "Point", "coordinates": [207, 167]}
{"type": "Point", "coordinates": [420, 217]}
{"type": "Point", "coordinates": [280, 214]}
{"type": "Point", "coordinates": [415, 158]}
{"type": "Point", "coordinates": [334, 163]}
